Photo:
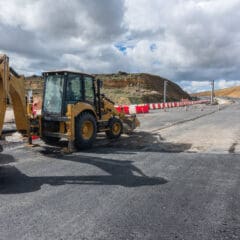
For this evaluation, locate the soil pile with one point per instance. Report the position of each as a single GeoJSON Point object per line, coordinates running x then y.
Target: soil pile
{"type": "Point", "coordinates": [125, 88]}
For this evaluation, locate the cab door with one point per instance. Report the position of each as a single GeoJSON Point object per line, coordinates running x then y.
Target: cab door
{"type": "Point", "coordinates": [74, 88]}
{"type": "Point", "coordinates": [89, 95]}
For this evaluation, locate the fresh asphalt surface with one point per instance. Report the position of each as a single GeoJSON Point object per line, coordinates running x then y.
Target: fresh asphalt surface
{"type": "Point", "coordinates": [127, 190]}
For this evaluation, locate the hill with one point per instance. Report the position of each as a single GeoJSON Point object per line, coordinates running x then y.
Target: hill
{"type": "Point", "coordinates": [124, 88]}
{"type": "Point", "coordinates": [233, 92]}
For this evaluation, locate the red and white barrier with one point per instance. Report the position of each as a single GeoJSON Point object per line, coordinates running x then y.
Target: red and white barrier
{"type": "Point", "coordinates": [144, 108]}
{"type": "Point", "coordinates": [133, 109]}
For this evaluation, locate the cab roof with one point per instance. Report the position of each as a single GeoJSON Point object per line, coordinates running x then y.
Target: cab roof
{"type": "Point", "coordinates": [61, 72]}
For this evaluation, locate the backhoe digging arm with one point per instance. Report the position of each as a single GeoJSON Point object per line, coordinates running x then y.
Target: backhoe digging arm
{"type": "Point", "coordinates": [12, 86]}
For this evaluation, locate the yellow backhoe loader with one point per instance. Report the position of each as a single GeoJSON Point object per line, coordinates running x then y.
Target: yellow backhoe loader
{"type": "Point", "coordinates": [73, 108]}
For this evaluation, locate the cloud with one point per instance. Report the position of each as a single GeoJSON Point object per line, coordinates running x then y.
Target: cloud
{"type": "Point", "coordinates": [46, 32]}
{"type": "Point", "coordinates": [226, 84]}
{"type": "Point", "coordinates": [195, 86]}
{"type": "Point", "coordinates": [191, 40]}
{"type": "Point", "coordinates": [201, 86]}
{"type": "Point", "coordinates": [197, 40]}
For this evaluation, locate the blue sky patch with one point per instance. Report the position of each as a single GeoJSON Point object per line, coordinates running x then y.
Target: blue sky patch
{"type": "Point", "coordinates": [121, 48]}
{"type": "Point", "coordinates": [153, 47]}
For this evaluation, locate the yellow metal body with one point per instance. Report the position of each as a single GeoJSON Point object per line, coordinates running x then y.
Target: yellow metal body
{"type": "Point", "coordinates": [107, 112]}
{"type": "Point", "coordinates": [116, 128]}
{"type": "Point", "coordinates": [73, 110]}
{"type": "Point", "coordinates": [87, 130]}
{"type": "Point", "coordinates": [130, 122]}
{"type": "Point", "coordinates": [12, 86]}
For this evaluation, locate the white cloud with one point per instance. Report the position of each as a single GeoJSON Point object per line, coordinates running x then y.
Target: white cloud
{"type": "Point", "coordinates": [195, 86]}
{"type": "Point", "coordinates": [201, 86]}
{"type": "Point", "coordinates": [226, 84]}
{"type": "Point", "coordinates": [193, 39]}
{"type": "Point", "coordinates": [199, 39]}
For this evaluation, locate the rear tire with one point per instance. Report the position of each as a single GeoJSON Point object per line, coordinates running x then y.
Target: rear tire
{"type": "Point", "coordinates": [115, 128]}
{"type": "Point", "coordinates": [85, 130]}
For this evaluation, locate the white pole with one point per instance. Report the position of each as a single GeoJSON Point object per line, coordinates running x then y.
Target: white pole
{"type": "Point", "coordinates": [165, 91]}
{"type": "Point", "coordinates": [212, 92]}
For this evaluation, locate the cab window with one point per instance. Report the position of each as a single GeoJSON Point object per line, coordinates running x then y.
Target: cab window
{"type": "Point", "coordinates": [74, 88]}
{"type": "Point", "coordinates": [88, 82]}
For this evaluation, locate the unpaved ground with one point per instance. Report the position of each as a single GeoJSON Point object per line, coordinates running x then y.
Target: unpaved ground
{"type": "Point", "coordinates": [218, 132]}
{"type": "Point", "coordinates": [198, 128]}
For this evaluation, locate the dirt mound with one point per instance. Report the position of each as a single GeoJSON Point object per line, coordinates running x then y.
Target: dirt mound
{"type": "Point", "coordinates": [34, 83]}
{"type": "Point", "coordinates": [124, 88]}
{"type": "Point", "coordinates": [233, 92]}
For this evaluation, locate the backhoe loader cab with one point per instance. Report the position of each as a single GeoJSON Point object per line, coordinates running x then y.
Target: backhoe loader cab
{"type": "Point", "coordinates": [74, 109]}
{"type": "Point", "coordinates": [63, 88]}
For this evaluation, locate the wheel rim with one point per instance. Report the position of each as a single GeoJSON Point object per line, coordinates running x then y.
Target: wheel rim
{"type": "Point", "coordinates": [87, 130]}
{"type": "Point", "coordinates": [116, 129]}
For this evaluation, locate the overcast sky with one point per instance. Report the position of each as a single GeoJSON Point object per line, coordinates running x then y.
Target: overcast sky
{"type": "Point", "coordinates": [182, 40]}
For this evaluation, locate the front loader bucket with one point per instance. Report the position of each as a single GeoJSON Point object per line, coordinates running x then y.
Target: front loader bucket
{"type": "Point", "coordinates": [130, 122]}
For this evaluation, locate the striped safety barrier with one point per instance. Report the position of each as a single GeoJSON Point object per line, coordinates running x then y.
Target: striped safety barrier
{"type": "Point", "coordinates": [133, 109]}
{"type": "Point", "coordinates": [144, 108]}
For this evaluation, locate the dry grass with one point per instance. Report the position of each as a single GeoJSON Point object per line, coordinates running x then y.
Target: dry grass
{"type": "Point", "coordinates": [233, 92]}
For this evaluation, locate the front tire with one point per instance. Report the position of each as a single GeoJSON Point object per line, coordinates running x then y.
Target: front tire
{"type": "Point", "coordinates": [115, 128]}
{"type": "Point", "coordinates": [85, 130]}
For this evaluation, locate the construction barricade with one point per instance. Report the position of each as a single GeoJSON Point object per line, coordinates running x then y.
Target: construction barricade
{"type": "Point", "coordinates": [144, 108]}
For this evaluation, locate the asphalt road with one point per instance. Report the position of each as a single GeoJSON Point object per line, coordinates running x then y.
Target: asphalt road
{"type": "Point", "coordinates": [162, 182]}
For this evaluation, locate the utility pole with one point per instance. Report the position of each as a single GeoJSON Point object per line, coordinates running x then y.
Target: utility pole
{"type": "Point", "coordinates": [165, 91]}
{"type": "Point", "coordinates": [212, 92]}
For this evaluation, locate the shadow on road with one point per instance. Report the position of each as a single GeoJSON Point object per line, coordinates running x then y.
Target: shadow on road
{"type": "Point", "coordinates": [122, 173]}
{"type": "Point", "coordinates": [128, 144]}
{"type": "Point", "coordinates": [142, 142]}
{"type": "Point", "coordinates": [5, 159]}
{"type": "Point", "coordinates": [116, 172]}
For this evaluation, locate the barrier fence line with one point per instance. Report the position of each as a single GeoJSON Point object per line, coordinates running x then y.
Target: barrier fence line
{"type": "Point", "coordinates": [144, 108]}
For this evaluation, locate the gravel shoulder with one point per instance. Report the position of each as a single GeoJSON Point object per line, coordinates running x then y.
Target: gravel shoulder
{"type": "Point", "coordinates": [218, 132]}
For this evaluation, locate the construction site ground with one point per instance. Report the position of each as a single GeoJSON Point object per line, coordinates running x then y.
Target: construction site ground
{"type": "Point", "coordinates": [176, 177]}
